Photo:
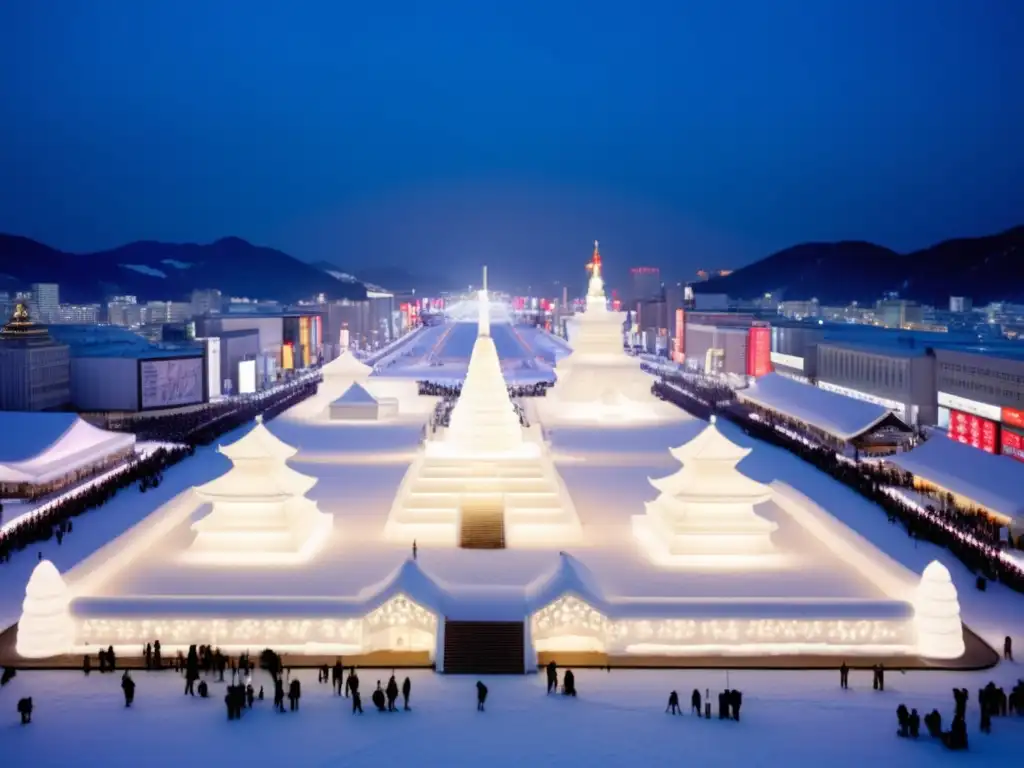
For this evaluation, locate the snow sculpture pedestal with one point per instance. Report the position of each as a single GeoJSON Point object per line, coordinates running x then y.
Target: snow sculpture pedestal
{"type": "Point", "coordinates": [704, 515]}
{"type": "Point", "coordinates": [940, 632]}
{"type": "Point", "coordinates": [260, 513]}
{"type": "Point", "coordinates": [483, 456]}
{"type": "Point", "coordinates": [45, 628]}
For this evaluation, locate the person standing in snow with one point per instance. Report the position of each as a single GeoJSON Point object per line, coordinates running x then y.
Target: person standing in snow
{"type": "Point", "coordinates": [481, 695]}
{"type": "Point", "coordinates": [406, 690]}
{"type": "Point", "coordinates": [695, 702]}
{"type": "Point", "coordinates": [552, 670]}
{"type": "Point", "coordinates": [673, 704]}
{"type": "Point", "coordinates": [128, 686]}
{"type": "Point", "coordinates": [392, 693]}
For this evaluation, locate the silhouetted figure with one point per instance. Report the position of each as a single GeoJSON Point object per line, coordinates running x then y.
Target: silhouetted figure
{"type": "Point", "coordinates": [903, 718]}
{"type": "Point", "coordinates": [415, 551]}
{"type": "Point", "coordinates": [735, 701]}
{"type": "Point", "coordinates": [378, 698]}
{"type": "Point", "coordinates": [128, 686]}
{"type": "Point", "coordinates": [673, 704]}
{"type": "Point", "coordinates": [250, 695]}
{"type": "Point", "coordinates": [357, 703]}
{"type": "Point", "coordinates": [569, 683]}
{"type": "Point", "coordinates": [352, 682]}
{"type": "Point", "coordinates": [960, 700]}
{"type": "Point", "coordinates": [406, 691]}
{"type": "Point", "coordinates": [191, 670]}
{"type": "Point", "coordinates": [392, 693]}
{"type": "Point", "coordinates": [204, 690]}
{"type": "Point", "coordinates": [933, 724]}
{"type": "Point", "coordinates": [844, 676]}
{"type": "Point", "coordinates": [25, 710]}
{"type": "Point", "coordinates": [294, 694]}
{"type": "Point", "coordinates": [338, 677]}
{"type": "Point", "coordinates": [915, 724]}
{"type": "Point", "coordinates": [278, 694]}
{"type": "Point", "coordinates": [158, 662]}
{"type": "Point", "coordinates": [86, 664]}
{"type": "Point", "coordinates": [695, 701]}
{"type": "Point", "coordinates": [956, 738]}
{"type": "Point", "coordinates": [723, 705]}
{"type": "Point", "coordinates": [260, 694]}
{"type": "Point", "coordinates": [552, 672]}
{"type": "Point", "coordinates": [147, 654]}
{"type": "Point", "coordinates": [1008, 649]}
{"type": "Point", "coordinates": [481, 696]}
{"type": "Point", "coordinates": [111, 658]}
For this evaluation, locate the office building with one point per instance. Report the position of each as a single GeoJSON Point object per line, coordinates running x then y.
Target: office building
{"type": "Point", "coordinates": [46, 302]}
{"type": "Point", "coordinates": [206, 302]}
{"type": "Point", "coordinates": [645, 283]}
{"type": "Point", "coordinates": [960, 304]}
{"type": "Point", "coordinates": [78, 313]}
{"type": "Point", "coordinates": [898, 313]}
{"type": "Point", "coordinates": [34, 369]}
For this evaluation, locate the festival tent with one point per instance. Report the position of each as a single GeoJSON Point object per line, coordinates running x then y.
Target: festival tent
{"type": "Point", "coordinates": [37, 448]}
{"type": "Point", "coordinates": [844, 418]}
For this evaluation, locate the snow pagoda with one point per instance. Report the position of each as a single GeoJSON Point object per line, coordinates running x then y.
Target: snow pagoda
{"type": "Point", "coordinates": [704, 515]}
{"type": "Point", "coordinates": [45, 628]}
{"type": "Point", "coordinates": [260, 514]}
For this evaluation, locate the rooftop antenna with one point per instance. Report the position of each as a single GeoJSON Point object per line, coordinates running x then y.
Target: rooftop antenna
{"type": "Point", "coordinates": [484, 320]}
{"type": "Point", "coordinates": [485, 277]}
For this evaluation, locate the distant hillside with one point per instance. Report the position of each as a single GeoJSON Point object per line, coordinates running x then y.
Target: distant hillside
{"type": "Point", "coordinates": [983, 268]}
{"type": "Point", "coordinates": [168, 271]}
{"type": "Point", "coordinates": [394, 279]}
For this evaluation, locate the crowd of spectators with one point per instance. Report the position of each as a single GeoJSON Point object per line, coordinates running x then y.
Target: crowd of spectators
{"type": "Point", "coordinates": [179, 433]}
{"type": "Point", "coordinates": [968, 533]}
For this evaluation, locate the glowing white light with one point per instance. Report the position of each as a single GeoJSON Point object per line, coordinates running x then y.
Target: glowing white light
{"type": "Point", "coordinates": [704, 515]}
{"type": "Point", "coordinates": [45, 628]}
{"type": "Point", "coordinates": [260, 514]}
{"type": "Point", "coordinates": [940, 632]}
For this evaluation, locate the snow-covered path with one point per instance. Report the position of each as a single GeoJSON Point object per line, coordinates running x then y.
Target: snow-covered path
{"type": "Point", "coordinates": [795, 719]}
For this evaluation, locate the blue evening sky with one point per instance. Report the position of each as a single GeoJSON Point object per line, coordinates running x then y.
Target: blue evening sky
{"type": "Point", "coordinates": [682, 133]}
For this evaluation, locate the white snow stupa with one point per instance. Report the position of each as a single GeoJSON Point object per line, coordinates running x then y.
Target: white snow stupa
{"type": "Point", "coordinates": [483, 473]}
{"type": "Point", "coordinates": [704, 515]}
{"type": "Point", "coordinates": [346, 367]}
{"type": "Point", "coordinates": [940, 633]}
{"type": "Point", "coordinates": [45, 628]}
{"type": "Point", "coordinates": [260, 513]}
{"type": "Point", "coordinates": [598, 382]}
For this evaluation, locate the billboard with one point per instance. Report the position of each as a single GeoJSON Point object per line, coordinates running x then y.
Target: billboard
{"type": "Point", "coordinates": [973, 430]}
{"type": "Point", "coordinates": [759, 351]}
{"type": "Point", "coordinates": [957, 403]}
{"type": "Point", "coordinates": [246, 377]}
{"type": "Point", "coordinates": [679, 343]}
{"type": "Point", "coordinates": [1012, 444]}
{"type": "Point", "coordinates": [171, 382]}
{"type": "Point", "coordinates": [1013, 417]}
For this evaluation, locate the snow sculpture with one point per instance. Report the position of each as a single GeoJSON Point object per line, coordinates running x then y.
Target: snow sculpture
{"type": "Point", "coordinates": [598, 382]}
{"type": "Point", "coordinates": [704, 514]}
{"type": "Point", "coordinates": [483, 465]}
{"type": "Point", "coordinates": [346, 367]}
{"type": "Point", "coordinates": [260, 513]}
{"type": "Point", "coordinates": [940, 633]}
{"type": "Point", "coordinates": [45, 628]}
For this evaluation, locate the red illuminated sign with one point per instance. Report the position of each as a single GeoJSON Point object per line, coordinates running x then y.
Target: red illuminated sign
{"type": "Point", "coordinates": [759, 351]}
{"type": "Point", "coordinates": [973, 430]}
{"type": "Point", "coordinates": [679, 344]}
{"type": "Point", "coordinates": [1013, 417]}
{"type": "Point", "coordinates": [1012, 445]}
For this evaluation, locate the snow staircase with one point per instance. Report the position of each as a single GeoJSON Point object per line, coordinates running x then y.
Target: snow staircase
{"type": "Point", "coordinates": [483, 648]}
{"type": "Point", "coordinates": [482, 522]}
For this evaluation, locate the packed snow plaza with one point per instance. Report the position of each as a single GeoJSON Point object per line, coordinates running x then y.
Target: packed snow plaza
{"type": "Point", "coordinates": [498, 541]}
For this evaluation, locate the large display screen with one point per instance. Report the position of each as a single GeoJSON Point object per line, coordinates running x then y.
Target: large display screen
{"type": "Point", "coordinates": [170, 382]}
{"type": "Point", "coordinates": [1013, 444]}
{"type": "Point", "coordinates": [1013, 417]}
{"type": "Point", "coordinates": [759, 351]}
{"type": "Point", "coordinates": [679, 344]}
{"type": "Point", "coordinates": [973, 430]}
{"type": "Point", "coordinates": [246, 377]}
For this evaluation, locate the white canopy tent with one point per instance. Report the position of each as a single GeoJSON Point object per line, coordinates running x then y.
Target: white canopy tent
{"type": "Point", "coordinates": [38, 448]}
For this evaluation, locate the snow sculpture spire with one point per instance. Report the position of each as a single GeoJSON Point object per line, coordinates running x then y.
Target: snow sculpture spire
{"type": "Point", "coordinates": [45, 628]}
{"type": "Point", "coordinates": [940, 634]}
{"type": "Point", "coordinates": [704, 514]}
{"type": "Point", "coordinates": [484, 305]}
{"type": "Point", "coordinates": [260, 513]}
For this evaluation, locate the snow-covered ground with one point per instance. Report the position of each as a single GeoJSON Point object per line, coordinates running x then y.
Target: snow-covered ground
{"type": "Point", "coordinates": [789, 718]}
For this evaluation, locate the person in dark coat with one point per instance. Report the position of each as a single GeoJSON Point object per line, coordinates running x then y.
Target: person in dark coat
{"type": "Point", "coordinates": [915, 724]}
{"type": "Point", "coordinates": [86, 664]}
{"type": "Point", "coordinates": [569, 683]}
{"type": "Point", "coordinates": [111, 658]}
{"type": "Point", "coordinates": [357, 703]}
{"type": "Point", "coordinates": [723, 705]}
{"type": "Point", "coordinates": [279, 694]}
{"type": "Point", "coordinates": [960, 701]}
{"type": "Point", "coordinates": [378, 698]}
{"type": "Point", "coordinates": [1008, 649]}
{"type": "Point", "coordinates": [481, 695]}
{"type": "Point", "coordinates": [933, 724]}
{"type": "Point", "coordinates": [338, 677]}
{"type": "Point", "coordinates": [250, 695]}
{"type": "Point", "coordinates": [392, 693]}
{"type": "Point", "coordinates": [406, 691]}
{"type": "Point", "coordinates": [903, 720]}
{"type": "Point", "coordinates": [695, 702]}
{"type": "Point", "coordinates": [204, 689]}
{"type": "Point", "coordinates": [128, 686]}
{"type": "Point", "coordinates": [673, 704]}
{"type": "Point", "coordinates": [735, 702]}
{"type": "Point", "coordinates": [25, 710]}
{"type": "Point", "coordinates": [294, 694]}
{"type": "Point", "coordinates": [844, 676]}
{"type": "Point", "coordinates": [352, 682]}
{"type": "Point", "coordinates": [552, 672]}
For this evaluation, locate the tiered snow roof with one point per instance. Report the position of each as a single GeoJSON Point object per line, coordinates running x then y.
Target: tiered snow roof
{"type": "Point", "coordinates": [940, 634]}
{"type": "Point", "coordinates": [346, 366]}
{"type": "Point", "coordinates": [705, 511]}
{"type": "Point", "coordinates": [356, 394]}
{"type": "Point", "coordinates": [260, 513]}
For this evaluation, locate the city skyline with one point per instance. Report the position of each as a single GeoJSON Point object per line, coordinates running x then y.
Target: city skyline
{"type": "Point", "coordinates": [682, 140]}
